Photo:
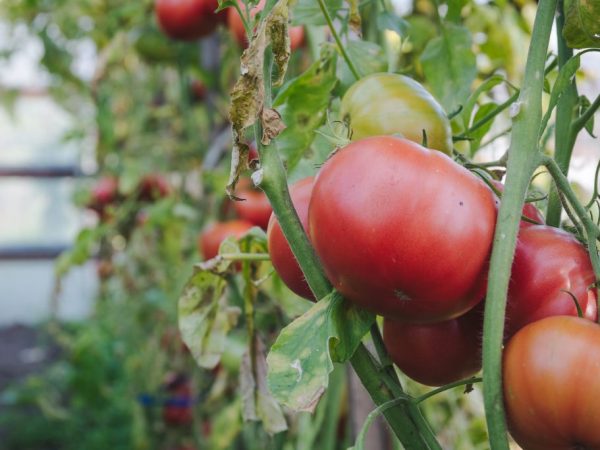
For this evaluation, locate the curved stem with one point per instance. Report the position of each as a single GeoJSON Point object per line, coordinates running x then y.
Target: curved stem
{"type": "Point", "coordinates": [446, 387]}
{"type": "Point", "coordinates": [412, 433]}
{"type": "Point", "coordinates": [523, 157]}
{"type": "Point", "coordinates": [246, 256]}
{"type": "Point", "coordinates": [564, 136]}
{"type": "Point", "coordinates": [337, 39]}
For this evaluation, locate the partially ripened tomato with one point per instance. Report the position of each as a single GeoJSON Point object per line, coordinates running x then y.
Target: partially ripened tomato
{"type": "Point", "coordinates": [548, 263]}
{"type": "Point", "coordinates": [210, 239]}
{"type": "Point", "coordinates": [402, 230]}
{"type": "Point", "coordinates": [438, 353]}
{"type": "Point", "coordinates": [551, 384]}
{"type": "Point", "coordinates": [187, 19]}
{"type": "Point", "coordinates": [236, 26]}
{"type": "Point", "coordinates": [389, 103]}
{"type": "Point", "coordinates": [283, 259]}
{"type": "Point", "coordinates": [255, 206]}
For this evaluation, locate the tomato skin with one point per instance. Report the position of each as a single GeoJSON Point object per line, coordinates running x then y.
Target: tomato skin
{"type": "Point", "coordinates": [281, 254]}
{"type": "Point", "coordinates": [187, 20]}
{"type": "Point", "coordinates": [387, 103]}
{"type": "Point", "coordinates": [236, 26]}
{"type": "Point", "coordinates": [255, 208]}
{"type": "Point", "coordinates": [548, 261]}
{"type": "Point", "coordinates": [438, 353]}
{"type": "Point", "coordinates": [402, 230]}
{"type": "Point", "coordinates": [212, 236]}
{"type": "Point", "coordinates": [551, 377]}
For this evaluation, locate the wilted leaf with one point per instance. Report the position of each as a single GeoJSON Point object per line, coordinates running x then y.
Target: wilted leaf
{"type": "Point", "coordinates": [449, 65]}
{"type": "Point", "coordinates": [205, 318]}
{"type": "Point", "coordinates": [302, 103]}
{"type": "Point", "coordinates": [302, 357]}
{"type": "Point", "coordinates": [272, 125]}
{"type": "Point", "coordinates": [257, 402]}
{"type": "Point", "coordinates": [354, 19]}
{"type": "Point", "coordinates": [582, 23]}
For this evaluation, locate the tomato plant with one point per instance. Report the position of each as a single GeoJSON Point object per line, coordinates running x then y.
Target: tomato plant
{"type": "Point", "coordinates": [153, 187]}
{"type": "Point", "coordinates": [187, 19]}
{"type": "Point", "coordinates": [550, 271]}
{"type": "Point", "coordinates": [388, 238]}
{"type": "Point", "coordinates": [236, 25]}
{"type": "Point", "coordinates": [282, 257]}
{"type": "Point", "coordinates": [210, 239]}
{"type": "Point", "coordinates": [529, 210]}
{"type": "Point", "coordinates": [104, 193]}
{"type": "Point", "coordinates": [437, 353]}
{"type": "Point", "coordinates": [551, 384]}
{"type": "Point", "coordinates": [387, 103]}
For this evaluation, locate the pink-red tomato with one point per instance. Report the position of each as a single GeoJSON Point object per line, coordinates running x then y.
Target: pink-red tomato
{"type": "Point", "coordinates": [529, 209]}
{"type": "Point", "coordinates": [552, 384]}
{"type": "Point", "coordinates": [548, 263]}
{"type": "Point", "coordinates": [437, 353]}
{"type": "Point", "coordinates": [236, 26]}
{"type": "Point", "coordinates": [283, 259]}
{"type": "Point", "coordinates": [401, 230]}
{"type": "Point", "coordinates": [210, 239]}
{"type": "Point", "coordinates": [187, 19]}
{"type": "Point", "coordinates": [103, 194]}
{"type": "Point", "coordinates": [255, 207]}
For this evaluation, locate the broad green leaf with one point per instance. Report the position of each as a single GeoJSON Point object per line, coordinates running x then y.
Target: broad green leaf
{"type": "Point", "coordinates": [302, 104]}
{"type": "Point", "coordinates": [582, 23]}
{"type": "Point", "coordinates": [302, 357]}
{"type": "Point", "coordinates": [308, 12]}
{"type": "Point", "coordinates": [257, 402]}
{"type": "Point", "coordinates": [564, 79]}
{"type": "Point", "coordinates": [205, 318]}
{"type": "Point", "coordinates": [449, 65]}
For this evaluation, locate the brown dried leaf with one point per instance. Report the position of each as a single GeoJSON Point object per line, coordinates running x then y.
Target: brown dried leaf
{"type": "Point", "coordinates": [272, 125]}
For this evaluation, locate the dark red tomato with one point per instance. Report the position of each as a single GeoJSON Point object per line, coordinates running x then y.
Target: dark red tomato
{"type": "Point", "coordinates": [153, 187]}
{"type": "Point", "coordinates": [210, 239]}
{"type": "Point", "coordinates": [187, 19]}
{"type": "Point", "coordinates": [282, 257]}
{"type": "Point", "coordinates": [552, 384]}
{"type": "Point", "coordinates": [103, 194]}
{"type": "Point", "coordinates": [548, 262]}
{"type": "Point", "coordinates": [236, 26]}
{"type": "Point", "coordinates": [255, 207]}
{"type": "Point", "coordinates": [401, 230]}
{"type": "Point", "coordinates": [529, 209]}
{"type": "Point", "coordinates": [438, 353]}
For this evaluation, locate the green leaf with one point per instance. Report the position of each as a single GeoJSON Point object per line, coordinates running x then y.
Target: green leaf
{"type": "Point", "coordinates": [582, 23]}
{"type": "Point", "coordinates": [257, 402]}
{"type": "Point", "coordinates": [302, 104]}
{"type": "Point", "coordinates": [584, 103]}
{"type": "Point", "coordinates": [205, 318]}
{"type": "Point", "coordinates": [390, 21]}
{"type": "Point", "coordinates": [480, 132]}
{"type": "Point", "coordinates": [563, 80]}
{"type": "Point", "coordinates": [454, 10]}
{"type": "Point", "coordinates": [302, 357]}
{"type": "Point", "coordinates": [227, 425]}
{"type": "Point", "coordinates": [308, 12]}
{"type": "Point", "coordinates": [469, 105]}
{"type": "Point", "coordinates": [449, 66]}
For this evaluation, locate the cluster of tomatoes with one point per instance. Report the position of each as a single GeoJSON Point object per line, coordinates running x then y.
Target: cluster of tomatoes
{"type": "Point", "coordinates": [406, 232]}
{"type": "Point", "coordinates": [189, 20]}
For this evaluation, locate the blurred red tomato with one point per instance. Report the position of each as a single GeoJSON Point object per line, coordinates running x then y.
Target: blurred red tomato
{"type": "Point", "coordinates": [212, 236]}
{"type": "Point", "coordinates": [255, 208]}
{"type": "Point", "coordinates": [187, 19]}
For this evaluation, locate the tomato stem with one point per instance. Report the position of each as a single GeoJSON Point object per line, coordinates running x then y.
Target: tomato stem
{"type": "Point", "coordinates": [337, 39]}
{"type": "Point", "coordinates": [523, 158]}
{"type": "Point", "coordinates": [246, 256]}
{"type": "Point", "coordinates": [447, 387]}
{"type": "Point", "coordinates": [406, 421]}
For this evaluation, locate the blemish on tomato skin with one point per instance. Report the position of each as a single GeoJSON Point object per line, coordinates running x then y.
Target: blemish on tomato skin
{"type": "Point", "coordinates": [400, 295]}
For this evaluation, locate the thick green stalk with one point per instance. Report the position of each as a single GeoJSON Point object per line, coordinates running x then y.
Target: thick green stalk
{"type": "Point", "coordinates": [564, 137]}
{"type": "Point", "coordinates": [273, 181]}
{"type": "Point", "coordinates": [523, 157]}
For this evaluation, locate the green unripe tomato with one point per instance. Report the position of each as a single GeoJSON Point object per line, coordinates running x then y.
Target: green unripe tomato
{"type": "Point", "coordinates": [389, 103]}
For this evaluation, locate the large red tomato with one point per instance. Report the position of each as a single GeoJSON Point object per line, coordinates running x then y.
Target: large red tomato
{"type": "Point", "coordinates": [401, 230]}
{"type": "Point", "coordinates": [437, 353]}
{"type": "Point", "coordinates": [282, 257]}
{"type": "Point", "coordinates": [236, 26]}
{"type": "Point", "coordinates": [210, 239]}
{"type": "Point", "coordinates": [552, 384]}
{"type": "Point", "coordinates": [255, 207]}
{"type": "Point", "coordinates": [187, 19]}
{"type": "Point", "coordinates": [548, 262]}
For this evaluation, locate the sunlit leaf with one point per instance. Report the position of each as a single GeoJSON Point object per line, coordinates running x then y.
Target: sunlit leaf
{"type": "Point", "coordinates": [302, 357]}
{"type": "Point", "coordinates": [582, 24]}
